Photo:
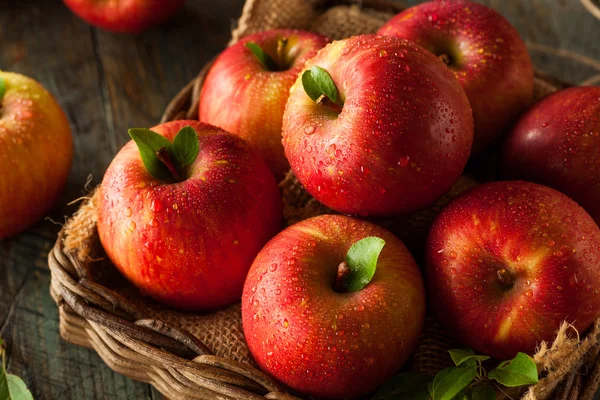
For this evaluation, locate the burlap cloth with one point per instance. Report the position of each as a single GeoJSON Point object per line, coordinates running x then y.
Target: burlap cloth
{"type": "Point", "coordinates": [570, 363]}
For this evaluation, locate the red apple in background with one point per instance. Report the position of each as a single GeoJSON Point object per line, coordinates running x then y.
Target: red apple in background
{"type": "Point", "coordinates": [507, 262]}
{"type": "Point", "coordinates": [36, 150]}
{"type": "Point", "coordinates": [399, 137]}
{"type": "Point", "coordinates": [314, 333]}
{"type": "Point", "coordinates": [247, 97]}
{"type": "Point", "coordinates": [189, 243]}
{"type": "Point", "coordinates": [484, 51]}
{"type": "Point", "coordinates": [557, 143]}
{"type": "Point", "coordinates": [130, 16]}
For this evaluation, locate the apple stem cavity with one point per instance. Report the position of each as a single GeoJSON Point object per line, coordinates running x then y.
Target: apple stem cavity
{"type": "Point", "coordinates": [358, 269]}
{"type": "Point", "coordinates": [445, 58]}
{"type": "Point", "coordinates": [264, 58]}
{"type": "Point", "coordinates": [319, 86]}
{"type": "Point", "coordinates": [505, 277]}
{"type": "Point", "coordinates": [163, 156]}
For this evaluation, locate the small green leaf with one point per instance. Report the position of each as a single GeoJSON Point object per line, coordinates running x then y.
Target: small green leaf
{"type": "Point", "coordinates": [519, 371]}
{"type": "Point", "coordinates": [11, 386]}
{"type": "Point", "coordinates": [484, 392]}
{"type": "Point", "coordinates": [317, 82]}
{"type": "Point", "coordinates": [2, 87]}
{"type": "Point", "coordinates": [186, 145]}
{"type": "Point", "coordinates": [362, 261]}
{"type": "Point", "coordinates": [407, 386]}
{"type": "Point", "coordinates": [149, 143]}
{"type": "Point", "coordinates": [467, 356]}
{"type": "Point", "coordinates": [265, 59]}
{"type": "Point", "coordinates": [450, 382]}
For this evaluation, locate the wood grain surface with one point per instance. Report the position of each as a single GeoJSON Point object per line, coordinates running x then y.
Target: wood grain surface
{"type": "Point", "coordinates": [107, 83]}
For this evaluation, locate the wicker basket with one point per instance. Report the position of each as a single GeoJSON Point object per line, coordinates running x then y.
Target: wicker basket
{"type": "Point", "coordinates": [196, 356]}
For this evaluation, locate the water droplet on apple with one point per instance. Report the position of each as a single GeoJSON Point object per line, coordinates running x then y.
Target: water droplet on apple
{"type": "Point", "coordinates": [453, 270]}
{"type": "Point", "coordinates": [529, 293]}
{"type": "Point", "coordinates": [366, 325]}
{"type": "Point", "coordinates": [369, 360]}
{"type": "Point", "coordinates": [128, 212]}
{"type": "Point", "coordinates": [273, 267]}
{"type": "Point", "coordinates": [309, 130]}
{"type": "Point", "coordinates": [131, 226]}
{"type": "Point", "coordinates": [403, 161]}
{"type": "Point", "coordinates": [365, 170]}
{"type": "Point", "coordinates": [288, 300]}
{"type": "Point", "coordinates": [453, 254]}
{"type": "Point", "coordinates": [382, 53]}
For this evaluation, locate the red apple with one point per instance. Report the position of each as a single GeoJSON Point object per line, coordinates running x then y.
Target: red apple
{"type": "Point", "coordinates": [130, 16]}
{"type": "Point", "coordinates": [308, 330]}
{"type": "Point", "coordinates": [247, 97]}
{"type": "Point", "coordinates": [189, 243]}
{"type": "Point", "coordinates": [398, 138]}
{"type": "Point", "coordinates": [507, 262]}
{"type": "Point", "coordinates": [484, 51]}
{"type": "Point", "coordinates": [36, 150]}
{"type": "Point", "coordinates": [557, 143]}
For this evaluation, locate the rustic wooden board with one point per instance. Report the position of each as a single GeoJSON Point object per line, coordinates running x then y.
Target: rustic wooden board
{"type": "Point", "coordinates": [110, 82]}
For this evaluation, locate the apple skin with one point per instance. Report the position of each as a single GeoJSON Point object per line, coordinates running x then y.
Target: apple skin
{"type": "Point", "coordinates": [242, 97]}
{"type": "Point", "coordinates": [189, 244]}
{"type": "Point", "coordinates": [127, 16]}
{"type": "Point", "coordinates": [36, 151]}
{"type": "Point", "coordinates": [320, 342]}
{"type": "Point", "coordinates": [547, 244]}
{"type": "Point", "coordinates": [401, 140]}
{"type": "Point", "coordinates": [488, 57]}
{"type": "Point", "coordinates": [557, 143]}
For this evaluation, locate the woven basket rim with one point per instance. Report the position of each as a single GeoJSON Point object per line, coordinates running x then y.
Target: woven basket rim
{"type": "Point", "coordinates": [149, 350]}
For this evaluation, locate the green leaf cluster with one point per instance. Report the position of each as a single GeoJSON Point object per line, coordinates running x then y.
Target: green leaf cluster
{"type": "Point", "coordinates": [467, 380]}
{"type": "Point", "coordinates": [182, 152]}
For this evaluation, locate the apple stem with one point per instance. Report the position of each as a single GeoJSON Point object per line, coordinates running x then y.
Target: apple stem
{"type": "Point", "coordinates": [326, 101]}
{"type": "Point", "coordinates": [340, 279]}
{"type": "Point", "coordinates": [163, 156]}
{"type": "Point", "coordinates": [281, 47]}
{"type": "Point", "coordinates": [505, 277]}
{"type": "Point", "coordinates": [445, 58]}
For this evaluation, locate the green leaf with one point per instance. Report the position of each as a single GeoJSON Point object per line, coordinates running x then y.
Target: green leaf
{"type": "Point", "coordinates": [407, 386]}
{"type": "Point", "coordinates": [2, 87]}
{"type": "Point", "coordinates": [265, 59]}
{"type": "Point", "coordinates": [484, 392]}
{"type": "Point", "coordinates": [519, 371]}
{"type": "Point", "coordinates": [149, 143]}
{"type": "Point", "coordinates": [450, 382]}
{"type": "Point", "coordinates": [186, 145]}
{"type": "Point", "coordinates": [317, 82]}
{"type": "Point", "coordinates": [362, 261]}
{"type": "Point", "coordinates": [11, 386]}
{"type": "Point", "coordinates": [467, 356]}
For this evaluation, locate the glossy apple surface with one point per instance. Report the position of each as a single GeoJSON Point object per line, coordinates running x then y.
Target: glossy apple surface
{"type": "Point", "coordinates": [507, 262]}
{"type": "Point", "coordinates": [319, 341]}
{"type": "Point", "coordinates": [241, 96]}
{"type": "Point", "coordinates": [129, 16]}
{"type": "Point", "coordinates": [402, 137]}
{"type": "Point", "coordinates": [189, 244]}
{"type": "Point", "coordinates": [557, 143]}
{"type": "Point", "coordinates": [484, 51]}
{"type": "Point", "coordinates": [36, 150]}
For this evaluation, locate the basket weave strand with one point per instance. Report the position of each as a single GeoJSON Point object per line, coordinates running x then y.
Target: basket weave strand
{"type": "Point", "coordinates": [194, 356]}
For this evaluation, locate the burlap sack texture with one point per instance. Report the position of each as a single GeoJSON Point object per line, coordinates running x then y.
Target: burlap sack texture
{"type": "Point", "coordinates": [569, 363]}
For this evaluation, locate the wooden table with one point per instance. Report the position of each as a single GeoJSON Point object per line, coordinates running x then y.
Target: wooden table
{"type": "Point", "coordinates": [108, 83]}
